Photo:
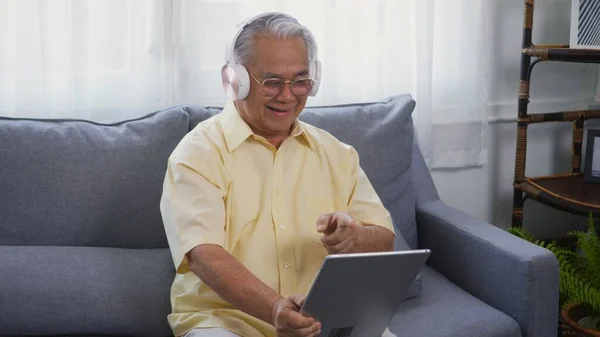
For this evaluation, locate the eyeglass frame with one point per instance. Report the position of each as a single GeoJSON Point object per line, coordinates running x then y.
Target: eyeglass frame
{"type": "Point", "coordinates": [291, 82]}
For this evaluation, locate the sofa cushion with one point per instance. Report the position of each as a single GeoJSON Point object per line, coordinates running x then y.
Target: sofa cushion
{"type": "Point", "coordinates": [382, 133]}
{"type": "Point", "coordinates": [198, 114]}
{"type": "Point", "coordinates": [445, 310]}
{"type": "Point", "coordinates": [73, 182]}
{"type": "Point", "coordinates": [84, 291]}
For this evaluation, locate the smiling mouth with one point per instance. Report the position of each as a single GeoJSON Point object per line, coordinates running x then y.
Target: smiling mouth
{"type": "Point", "coordinates": [279, 111]}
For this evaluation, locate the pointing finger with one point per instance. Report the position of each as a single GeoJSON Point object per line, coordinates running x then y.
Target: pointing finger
{"type": "Point", "coordinates": [325, 224]}
{"type": "Point", "coordinates": [342, 219]}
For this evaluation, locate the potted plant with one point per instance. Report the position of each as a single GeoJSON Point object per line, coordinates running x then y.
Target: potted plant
{"type": "Point", "coordinates": [579, 278]}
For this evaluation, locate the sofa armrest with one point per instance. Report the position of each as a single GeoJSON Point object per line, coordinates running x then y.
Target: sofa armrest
{"type": "Point", "coordinates": [512, 275]}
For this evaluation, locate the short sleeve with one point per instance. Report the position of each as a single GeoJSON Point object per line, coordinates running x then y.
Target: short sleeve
{"type": "Point", "coordinates": [192, 208]}
{"type": "Point", "coordinates": [364, 205]}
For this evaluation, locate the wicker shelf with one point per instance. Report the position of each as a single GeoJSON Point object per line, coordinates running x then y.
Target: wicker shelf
{"type": "Point", "coordinates": [566, 192]}
{"type": "Point", "coordinates": [563, 54]}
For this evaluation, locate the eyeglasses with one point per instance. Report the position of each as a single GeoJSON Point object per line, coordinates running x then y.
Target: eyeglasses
{"type": "Point", "coordinates": [272, 87]}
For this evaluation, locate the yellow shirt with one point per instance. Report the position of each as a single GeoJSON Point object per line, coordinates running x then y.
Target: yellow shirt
{"type": "Point", "coordinates": [226, 186]}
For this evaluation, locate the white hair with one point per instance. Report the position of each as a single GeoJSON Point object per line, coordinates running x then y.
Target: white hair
{"type": "Point", "coordinates": [277, 25]}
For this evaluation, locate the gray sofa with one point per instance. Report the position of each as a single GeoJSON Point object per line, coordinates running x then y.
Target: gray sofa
{"type": "Point", "coordinates": [83, 250]}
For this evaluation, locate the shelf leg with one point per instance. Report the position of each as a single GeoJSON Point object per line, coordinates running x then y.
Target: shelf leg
{"type": "Point", "coordinates": [517, 213]}
{"type": "Point", "coordinates": [521, 149]}
{"type": "Point", "coordinates": [520, 157]}
{"type": "Point", "coordinates": [576, 150]}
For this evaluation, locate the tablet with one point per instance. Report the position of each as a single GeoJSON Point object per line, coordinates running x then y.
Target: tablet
{"type": "Point", "coordinates": [358, 294]}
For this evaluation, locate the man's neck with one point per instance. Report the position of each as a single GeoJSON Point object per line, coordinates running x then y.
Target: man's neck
{"type": "Point", "coordinates": [276, 140]}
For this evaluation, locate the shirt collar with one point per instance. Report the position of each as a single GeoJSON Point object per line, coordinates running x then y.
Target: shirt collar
{"type": "Point", "coordinates": [236, 130]}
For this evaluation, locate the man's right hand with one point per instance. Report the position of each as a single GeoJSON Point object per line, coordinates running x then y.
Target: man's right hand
{"type": "Point", "coordinates": [288, 320]}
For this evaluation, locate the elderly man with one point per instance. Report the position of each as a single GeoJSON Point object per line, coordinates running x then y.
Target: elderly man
{"type": "Point", "coordinates": [254, 199]}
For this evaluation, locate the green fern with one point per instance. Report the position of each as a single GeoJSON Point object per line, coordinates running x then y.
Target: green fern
{"type": "Point", "coordinates": [579, 271]}
{"type": "Point", "coordinates": [589, 244]}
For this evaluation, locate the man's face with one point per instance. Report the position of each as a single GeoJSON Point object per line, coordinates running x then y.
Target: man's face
{"type": "Point", "coordinates": [272, 117]}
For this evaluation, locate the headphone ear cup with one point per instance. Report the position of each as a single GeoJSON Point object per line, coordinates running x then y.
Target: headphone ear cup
{"type": "Point", "coordinates": [235, 80]}
{"type": "Point", "coordinates": [315, 73]}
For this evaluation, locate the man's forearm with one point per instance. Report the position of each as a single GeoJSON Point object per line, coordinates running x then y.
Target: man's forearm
{"type": "Point", "coordinates": [233, 282]}
{"type": "Point", "coordinates": [377, 239]}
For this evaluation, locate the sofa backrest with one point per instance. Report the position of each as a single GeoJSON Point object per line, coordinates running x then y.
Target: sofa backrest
{"type": "Point", "coordinates": [79, 183]}
{"type": "Point", "coordinates": [382, 133]}
{"type": "Point", "coordinates": [71, 182]}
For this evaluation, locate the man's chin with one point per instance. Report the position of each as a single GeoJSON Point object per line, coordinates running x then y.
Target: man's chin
{"type": "Point", "coordinates": [280, 126]}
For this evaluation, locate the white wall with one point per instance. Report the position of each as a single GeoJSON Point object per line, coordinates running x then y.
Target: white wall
{"type": "Point", "coordinates": [487, 192]}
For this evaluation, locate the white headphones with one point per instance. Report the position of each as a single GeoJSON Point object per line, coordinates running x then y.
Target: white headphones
{"type": "Point", "coordinates": [235, 78]}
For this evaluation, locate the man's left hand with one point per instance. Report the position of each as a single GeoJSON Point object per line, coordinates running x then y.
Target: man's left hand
{"type": "Point", "coordinates": [341, 233]}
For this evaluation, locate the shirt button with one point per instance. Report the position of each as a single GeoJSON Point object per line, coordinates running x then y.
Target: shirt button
{"type": "Point", "coordinates": [287, 265]}
{"type": "Point", "coordinates": [277, 192]}
{"type": "Point", "coordinates": [282, 227]}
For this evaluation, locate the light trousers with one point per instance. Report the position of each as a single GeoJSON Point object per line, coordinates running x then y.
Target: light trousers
{"type": "Point", "coordinates": [210, 332]}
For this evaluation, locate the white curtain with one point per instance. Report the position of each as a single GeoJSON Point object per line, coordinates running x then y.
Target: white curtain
{"type": "Point", "coordinates": [108, 60]}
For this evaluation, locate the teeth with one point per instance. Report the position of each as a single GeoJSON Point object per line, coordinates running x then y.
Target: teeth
{"type": "Point", "coordinates": [278, 110]}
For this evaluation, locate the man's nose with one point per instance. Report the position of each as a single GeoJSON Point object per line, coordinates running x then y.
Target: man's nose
{"type": "Point", "coordinates": [286, 93]}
